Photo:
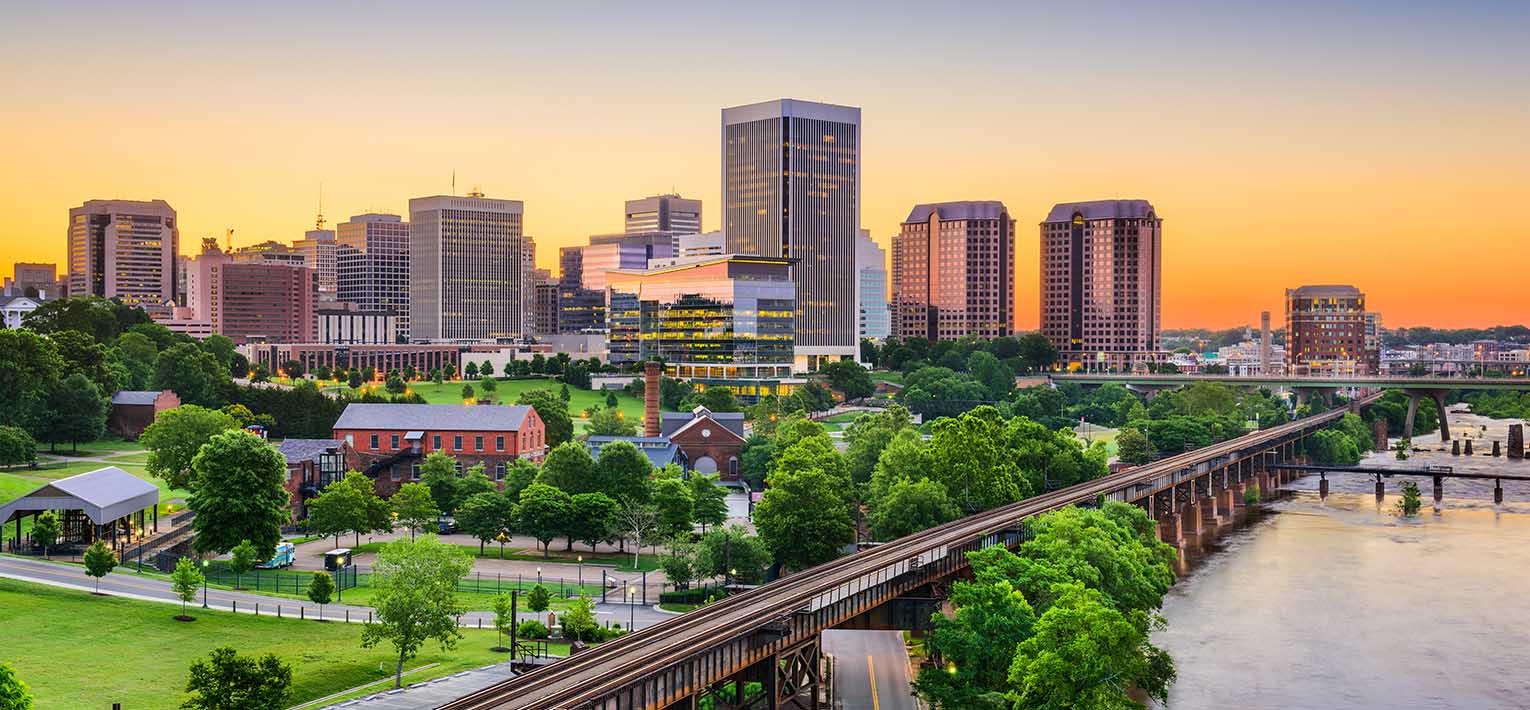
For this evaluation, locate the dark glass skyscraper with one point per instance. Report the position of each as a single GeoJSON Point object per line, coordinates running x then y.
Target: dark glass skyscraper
{"type": "Point", "coordinates": [791, 186]}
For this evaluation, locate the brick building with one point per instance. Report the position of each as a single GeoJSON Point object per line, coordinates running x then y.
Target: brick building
{"type": "Point", "coordinates": [313, 464]}
{"type": "Point", "coordinates": [391, 440]}
{"type": "Point", "coordinates": [132, 411]}
{"type": "Point", "coordinates": [1329, 332]}
{"type": "Point", "coordinates": [711, 441]}
{"type": "Point", "coordinates": [954, 272]}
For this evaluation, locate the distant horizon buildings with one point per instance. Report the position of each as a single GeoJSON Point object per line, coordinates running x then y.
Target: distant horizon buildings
{"type": "Point", "coordinates": [954, 271]}
{"type": "Point", "coordinates": [791, 187]}
{"type": "Point", "coordinates": [469, 276]}
{"type": "Point", "coordinates": [124, 249]}
{"type": "Point", "coordinates": [372, 265]}
{"type": "Point", "coordinates": [251, 300]}
{"type": "Point", "coordinates": [663, 213]}
{"type": "Point", "coordinates": [1330, 332]}
{"type": "Point", "coordinates": [873, 318]}
{"type": "Point", "coordinates": [318, 247]}
{"type": "Point", "coordinates": [1101, 282]}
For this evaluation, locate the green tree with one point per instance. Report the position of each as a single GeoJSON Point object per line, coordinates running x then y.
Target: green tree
{"type": "Point", "coordinates": [849, 378]}
{"type": "Point", "coordinates": [239, 494]}
{"type": "Point", "coordinates": [195, 376]}
{"type": "Point", "coordinates": [709, 501]}
{"type": "Point", "coordinates": [803, 517]}
{"type": "Point", "coordinates": [909, 507]}
{"type": "Point", "coordinates": [16, 446]}
{"type": "Point", "coordinates": [504, 619]}
{"type": "Point", "coordinates": [74, 411]}
{"type": "Point", "coordinates": [592, 519]}
{"type": "Point", "coordinates": [484, 516]}
{"type": "Point", "coordinates": [242, 415]}
{"type": "Point", "coordinates": [467, 393]}
{"type": "Point", "coordinates": [353, 379]}
{"type": "Point", "coordinates": [471, 370]}
{"type": "Point", "coordinates": [1332, 447]}
{"type": "Point", "coordinates": [568, 468]}
{"type": "Point", "coordinates": [228, 681]}
{"type": "Point", "coordinates": [611, 401]}
{"type": "Point", "coordinates": [622, 471]}
{"type": "Point", "coordinates": [1037, 352]}
{"type": "Point", "coordinates": [679, 565]}
{"type": "Point", "coordinates": [976, 643]}
{"type": "Point", "coordinates": [85, 355]}
{"type": "Point", "coordinates": [1411, 502]}
{"type": "Point", "coordinates": [1086, 654]}
{"type": "Point", "coordinates": [519, 474]}
{"type": "Point", "coordinates": [414, 507]}
{"type": "Point", "coordinates": [185, 581]}
{"type": "Point", "coordinates": [579, 620]}
{"type": "Point", "coordinates": [1133, 447]}
{"type": "Point", "coordinates": [637, 521]}
{"type": "Point", "coordinates": [814, 452]}
{"type": "Point", "coordinates": [14, 694]}
{"type": "Point", "coordinates": [543, 513]}
{"type": "Point", "coordinates": [673, 500]}
{"type": "Point", "coordinates": [553, 412]}
{"type": "Point", "coordinates": [241, 560]}
{"type": "Point", "coordinates": [757, 459]}
{"type": "Point", "coordinates": [438, 472]}
{"type": "Point", "coordinates": [176, 436]}
{"type": "Point", "coordinates": [1114, 549]}
{"type": "Point", "coordinates": [487, 369]}
{"type": "Point", "coordinates": [46, 530]}
{"type": "Point", "coordinates": [29, 364]}
{"type": "Point", "coordinates": [395, 384]}
{"type": "Point", "coordinates": [321, 589]}
{"type": "Point", "coordinates": [538, 599]}
{"type": "Point", "coordinates": [99, 561]}
{"type": "Point", "coordinates": [415, 597]}
{"type": "Point", "coordinates": [610, 422]}
{"type": "Point", "coordinates": [867, 436]}
{"type": "Point", "coordinates": [995, 376]}
{"type": "Point", "coordinates": [488, 385]}
{"type": "Point", "coordinates": [735, 552]}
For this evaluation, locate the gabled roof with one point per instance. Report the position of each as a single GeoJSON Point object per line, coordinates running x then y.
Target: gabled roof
{"type": "Point", "coordinates": [306, 449]}
{"type": "Point", "coordinates": [659, 450]}
{"type": "Point", "coordinates": [104, 495]}
{"type": "Point", "coordinates": [135, 397]}
{"type": "Point", "coordinates": [434, 417]}
{"type": "Point", "coordinates": [673, 422]}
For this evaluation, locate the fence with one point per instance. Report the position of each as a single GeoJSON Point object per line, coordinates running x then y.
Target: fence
{"type": "Point", "coordinates": [283, 581]}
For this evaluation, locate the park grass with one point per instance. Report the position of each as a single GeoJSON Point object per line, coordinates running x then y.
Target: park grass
{"type": "Point", "coordinates": [84, 651]}
{"type": "Point", "coordinates": [93, 448]}
{"type": "Point", "coordinates": [622, 562]}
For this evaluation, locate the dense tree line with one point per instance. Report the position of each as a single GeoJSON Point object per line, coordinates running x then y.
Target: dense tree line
{"type": "Point", "coordinates": [1423, 335]}
{"type": "Point", "coordinates": [1031, 352]}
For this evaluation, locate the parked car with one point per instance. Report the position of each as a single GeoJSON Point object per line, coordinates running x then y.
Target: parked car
{"type": "Point", "coordinates": [447, 525]}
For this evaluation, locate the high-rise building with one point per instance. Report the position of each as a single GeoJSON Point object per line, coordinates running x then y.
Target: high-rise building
{"type": "Point", "coordinates": [124, 249]}
{"type": "Point", "coordinates": [1329, 332]}
{"type": "Point", "coordinates": [874, 321]}
{"type": "Point", "coordinates": [37, 281]}
{"type": "Point", "coordinates": [468, 268]}
{"type": "Point", "coordinates": [663, 213]}
{"type": "Point", "coordinates": [1101, 280]}
{"type": "Point", "coordinates": [580, 310]}
{"type": "Point", "coordinates": [546, 303]}
{"type": "Point", "coordinates": [791, 187]}
{"type": "Point", "coordinates": [372, 265]}
{"type": "Point", "coordinates": [319, 249]}
{"type": "Point", "coordinates": [252, 300]}
{"type": "Point", "coordinates": [954, 272]}
{"type": "Point", "coordinates": [704, 244]}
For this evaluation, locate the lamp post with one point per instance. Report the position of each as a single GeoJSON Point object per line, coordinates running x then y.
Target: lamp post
{"type": "Point", "coordinates": [632, 606]}
{"type": "Point", "coordinates": [581, 573]}
{"type": "Point", "coordinates": [204, 584]}
{"type": "Point", "coordinates": [539, 575]}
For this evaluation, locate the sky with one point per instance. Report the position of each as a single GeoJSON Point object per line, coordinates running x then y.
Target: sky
{"type": "Point", "coordinates": [1381, 144]}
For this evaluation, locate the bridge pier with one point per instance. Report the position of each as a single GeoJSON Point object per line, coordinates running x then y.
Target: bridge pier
{"type": "Point", "coordinates": [1381, 490]}
{"type": "Point", "coordinates": [1172, 530]}
{"type": "Point", "coordinates": [1323, 487]}
{"type": "Point", "coordinates": [1379, 433]}
{"type": "Point", "coordinates": [1210, 504]}
{"type": "Point", "coordinates": [1439, 404]}
{"type": "Point", "coordinates": [1516, 441]}
{"type": "Point", "coordinates": [1439, 492]}
{"type": "Point", "coordinates": [1229, 500]}
{"type": "Point", "coordinates": [1497, 492]}
{"type": "Point", "coordinates": [1468, 451]}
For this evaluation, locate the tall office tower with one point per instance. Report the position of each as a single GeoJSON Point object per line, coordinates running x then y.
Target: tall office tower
{"type": "Point", "coordinates": [319, 248]}
{"type": "Point", "coordinates": [546, 302]}
{"type": "Point", "coordinates": [1101, 278]}
{"type": "Point", "coordinates": [580, 310]}
{"type": "Point", "coordinates": [791, 186]}
{"type": "Point", "coordinates": [1266, 360]}
{"type": "Point", "coordinates": [467, 259]}
{"type": "Point", "coordinates": [954, 272]}
{"type": "Point", "coordinates": [124, 249]}
{"type": "Point", "coordinates": [528, 281]}
{"type": "Point", "coordinates": [1329, 332]}
{"type": "Point", "coordinates": [252, 300]}
{"type": "Point", "coordinates": [201, 272]}
{"type": "Point", "coordinates": [874, 320]}
{"type": "Point", "coordinates": [372, 265]}
{"type": "Point", "coordinates": [663, 213]}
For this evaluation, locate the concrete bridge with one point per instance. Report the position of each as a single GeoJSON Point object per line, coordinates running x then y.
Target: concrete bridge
{"type": "Point", "coordinates": [770, 635]}
{"type": "Point", "coordinates": [1306, 387]}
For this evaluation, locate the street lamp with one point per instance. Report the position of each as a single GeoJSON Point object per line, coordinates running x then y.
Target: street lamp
{"type": "Point", "coordinates": [581, 574]}
{"type": "Point", "coordinates": [539, 575]}
{"type": "Point", "coordinates": [631, 605]}
{"type": "Point", "coordinates": [204, 584]}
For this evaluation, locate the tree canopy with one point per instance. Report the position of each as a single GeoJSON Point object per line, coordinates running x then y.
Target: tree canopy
{"type": "Point", "coordinates": [239, 494]}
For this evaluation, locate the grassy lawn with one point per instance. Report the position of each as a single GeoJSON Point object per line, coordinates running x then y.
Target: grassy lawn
{"type": "Point", "coordinates": [843, 418]}
{"type": "Point", "coordinates": [622, 563]}
{"type": "Point", "coordinates": [83, 651]}
{"type": "Point", "coordinates": [92, 448]}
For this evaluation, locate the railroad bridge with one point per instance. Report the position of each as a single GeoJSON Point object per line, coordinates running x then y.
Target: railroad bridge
{"type": "Point", "coordinates": [770, 635]}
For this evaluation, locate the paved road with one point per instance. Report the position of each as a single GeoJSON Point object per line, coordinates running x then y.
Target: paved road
{"type": "Point", "coordinates": [871, 670]}
{"type": "Point", "coordinates": [128, 584]}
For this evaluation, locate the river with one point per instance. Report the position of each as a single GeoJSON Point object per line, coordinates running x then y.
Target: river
{"type": "Point", "coordinates": [1343, 604]}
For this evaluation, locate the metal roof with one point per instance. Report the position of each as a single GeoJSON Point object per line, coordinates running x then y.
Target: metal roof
{"type": "Point", "coordinates": [306, 449]}
{"type": "Point", "coordinates": [135, 397]}
{"type": "Point", "coordinates": [434, 417]}
{"type": "Point", "coordinates": [671, 422]}
{"type": "Point", "coordinates": [104, 495]}
{"type": "Point", "coordinates": [970, 209]}
{"type": "Point", "coordinates": [1102, 209]}
{"type": "Point", "coordinates": [659, 450]}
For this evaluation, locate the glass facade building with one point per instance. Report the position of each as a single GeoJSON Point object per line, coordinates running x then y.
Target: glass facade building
{"type": "Point", "coordinates": [873, 316]}
{"type": "Point", "coordinates": [124, 249]}
{"type": "Point", "coordinates": [791, 189]}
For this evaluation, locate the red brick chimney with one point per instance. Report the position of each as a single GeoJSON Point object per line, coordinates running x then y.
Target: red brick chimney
{"type": "Point", "coordinates": [651, 398]}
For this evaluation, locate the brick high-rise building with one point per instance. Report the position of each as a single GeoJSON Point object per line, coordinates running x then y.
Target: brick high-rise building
{"type": "Point", "coordinates": [124, 249]}
{"type": "Point", "coordinates": [1329, 332]}
{"type": "Point", "coordinates": [468, 268]}
{"type": "Point", "coordinates": [372, 265]}
{"type": "Point", "coordinates": [954, 272]}
{"type": "Point", "coordinates": [1101, 282]}
{"type": "Point", "coordinates": [246, 301]}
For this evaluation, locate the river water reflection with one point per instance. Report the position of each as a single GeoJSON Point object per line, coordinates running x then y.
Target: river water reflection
{"type": "Point", "coordinates": [1339, 604]}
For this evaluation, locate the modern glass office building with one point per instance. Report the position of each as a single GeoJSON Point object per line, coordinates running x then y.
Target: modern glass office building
{"type": "Point", "coordinates": [717, 321]}
{"type": "Point", "coordinates": [791, 187]}
{"type": "Point", "coordinates": [124, 249]}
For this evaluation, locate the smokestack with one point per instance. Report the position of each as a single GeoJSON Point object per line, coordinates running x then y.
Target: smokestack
{"type": "Point", "coordinates": [651, 398]}
{"type": "Point", "coordinates": [1264, 343]}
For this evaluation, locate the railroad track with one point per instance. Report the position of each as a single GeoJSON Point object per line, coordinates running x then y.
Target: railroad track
{"type": "Point", "coordinates": [594, 673]}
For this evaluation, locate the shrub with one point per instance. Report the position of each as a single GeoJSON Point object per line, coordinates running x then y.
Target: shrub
{"type": "Point", "coordinates": [1251, 495]}
{"type": "Point", "coordinates": [695, 595]}
{"type": "Point", "coordinates": [532, 629]}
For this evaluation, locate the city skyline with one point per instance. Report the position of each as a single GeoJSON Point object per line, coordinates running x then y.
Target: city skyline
{"type": "Point", "coordinates": [1272, 138]}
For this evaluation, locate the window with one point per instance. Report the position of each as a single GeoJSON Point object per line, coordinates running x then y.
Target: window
{"type": "Point", "coordinates": [499, 471]}
{"type": "Point", "coordinates": [499, 444]}
{"type": "Point", "coordinates": [435, 442]}
{"type": "Point", "coordinates": [414, 472]}
{"type": "Point", "coordinates": [393, 442]}
{"type": "Point", "coordinates": [457, 442]}
{"type": "Point", "coordinates": [350, 440]}
{"type": "Point", "coordinates": [374, 442]}
{"type": "Point", "coordinates": [478, 443]}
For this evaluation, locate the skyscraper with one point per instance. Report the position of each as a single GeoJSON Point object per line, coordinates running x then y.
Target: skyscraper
{"type": "Point", "coordinates": [1329, 332]}
{"type": "Point", "coordinates": [954, 272]}
{"type": "Point", "coordinates": [251, 299]}
{"type": "Point", "coordinates": [124, 249]}
{"type": "Point", "coordinates": [663, 213]}
{"type": "Point", "coordinates": [791, 187]}
{"type": "Point", "coordinates": [319, 249]}
{"type": "Point", "coordinates": [468, 268]}
{"type": "Point", "coordinates": [1101, 266]}
{"type": "Point", "coordinates": [372, 265]}
{"type": "Point", "coordinates": [873, 322]}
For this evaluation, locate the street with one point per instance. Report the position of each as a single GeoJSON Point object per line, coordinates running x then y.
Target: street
{"type": "Point", "coordinates": [871, 670]}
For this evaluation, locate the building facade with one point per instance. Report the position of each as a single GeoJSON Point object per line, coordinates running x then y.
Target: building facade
{"type": "Point", "coordinates": [320, 249]}
{"type": "Point", "coordinates": [392, 439]}
{"type": "Point", "coordinates": [791, 187]}
{"type": "Point", "coordinates": [1101, 283]}
{"type": "Point", "coordinates": [265, 302]}
{"type": "Point", "coordinates": [663, 213]}
{"type": "Point", "coordinates": [37, 281]}
{"type": "Point", "coordinates": [124, 249]}
{"type": "Point", "coordinates": [1329, 332]}
{"type": "Point", "coordinates": [873, 319]}
{"type": "Point", "coordinates": [381, 358]}
{"type": "Point", "coordinates": [954, 272]}
{"type": "Point", "coordinates": [351, 326]}
{"type": "Point", "coordinates": [719, 321]}
{"type": "Point", "coordinates": [372, 265]}
{"type": "Point", "coordinates": [469, 273]}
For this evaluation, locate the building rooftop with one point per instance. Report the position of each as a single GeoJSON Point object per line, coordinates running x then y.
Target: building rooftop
{"type": "Point", "coordinates": [104, 495]}
{"type": "Point", "coordinates": [948, 211]}
{"type": "Point", "coordinates": [659, 450]}
{"type": "Point", "coordinates": [434, 417]}
{"type": "Point", "coordinates": [134, 397]}
{"type": "Point", "coordinates": [1102, 209]}
{"type": "Point", "coordinates": [306, 449]}
{"type": "Point", "coordinates": [1325, 290]}
{"type": "Point", "coordinates": [671, 422]}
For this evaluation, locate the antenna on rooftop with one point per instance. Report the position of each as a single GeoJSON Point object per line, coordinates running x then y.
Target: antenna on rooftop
{"type": "Point", "coordinates": [319, 222]}
{"type": "Point", "coordinates": [454, 182]}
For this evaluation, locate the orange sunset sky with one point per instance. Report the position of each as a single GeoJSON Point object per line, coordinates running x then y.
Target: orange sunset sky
{"type": "Point", "coordinates": [1385, 145]}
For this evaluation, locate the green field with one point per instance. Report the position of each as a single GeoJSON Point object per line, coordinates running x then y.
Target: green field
{"type": "Point", "coordinates": [622, 562]}
{"type": "Point", "coordinates": [76, 650]}
{"type": "Point", "coordinates": [506, 392]}
{"type": "Point", "coordinates": [93, 448]}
